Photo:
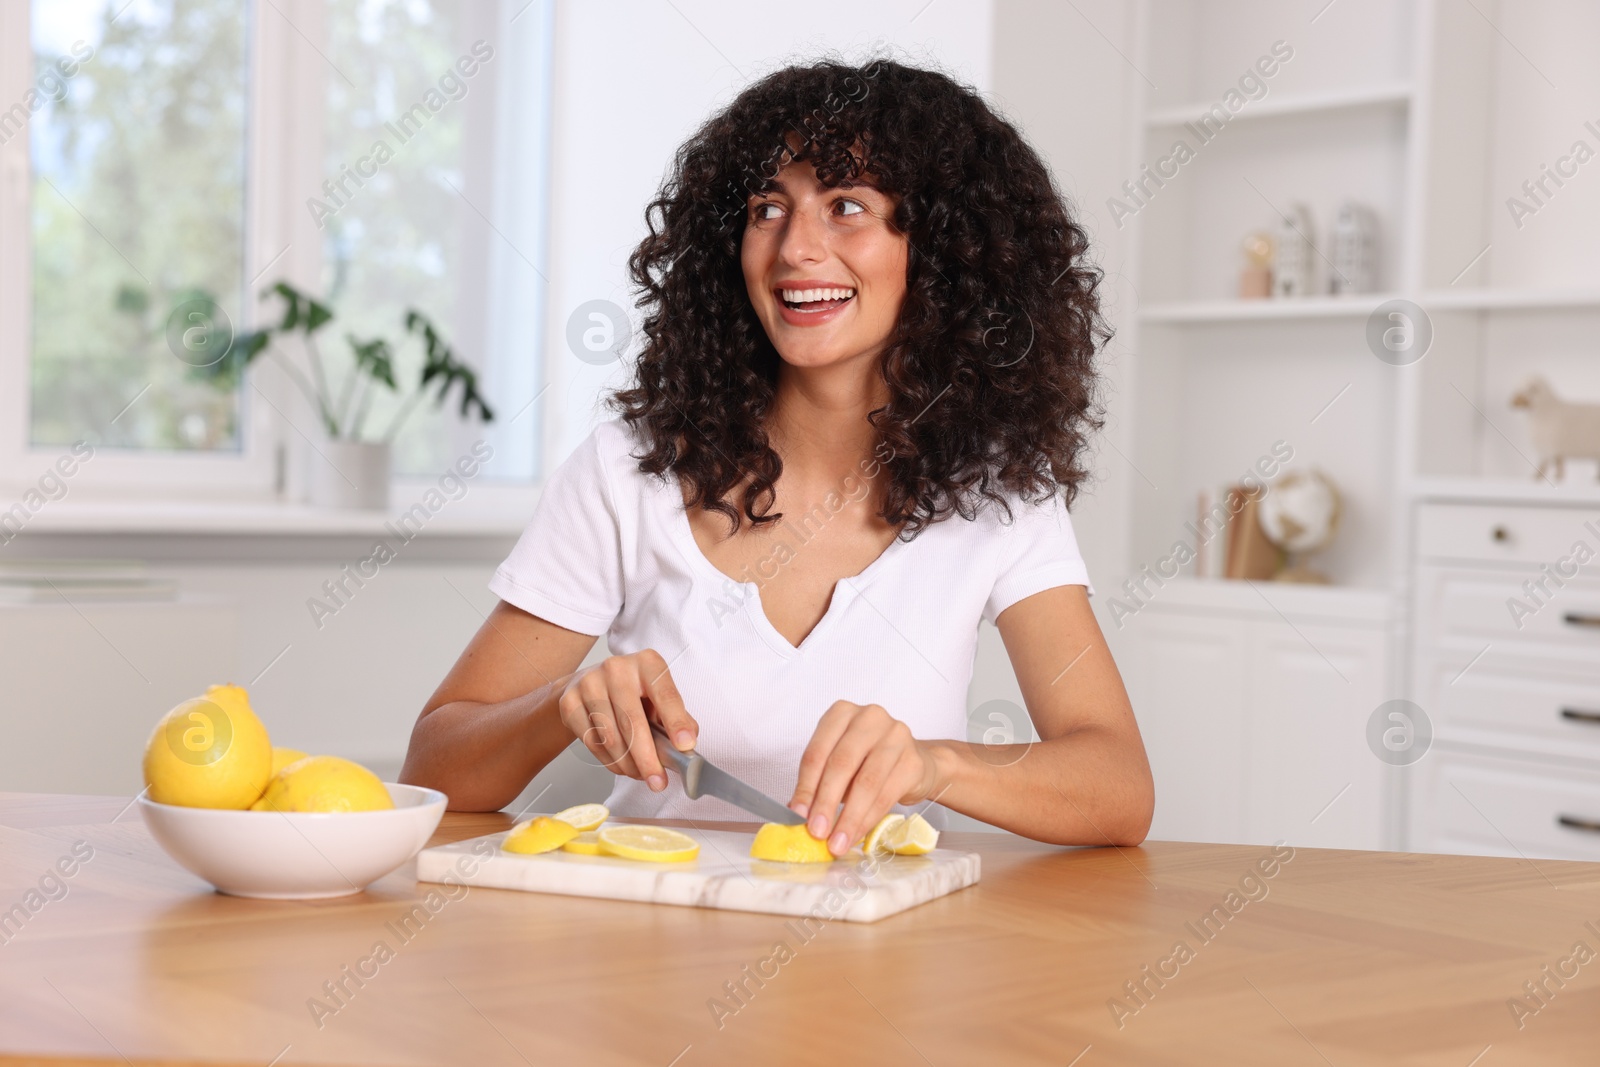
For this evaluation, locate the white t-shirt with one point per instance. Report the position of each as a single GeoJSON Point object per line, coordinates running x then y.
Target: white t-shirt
{"type": "Point", "coordinates": [609, 551]}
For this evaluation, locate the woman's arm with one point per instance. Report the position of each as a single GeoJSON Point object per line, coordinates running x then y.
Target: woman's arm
{"type": "Point", "coordinates": [1087, 782]}
{"type": "Point", "coordinates": [494, 721]}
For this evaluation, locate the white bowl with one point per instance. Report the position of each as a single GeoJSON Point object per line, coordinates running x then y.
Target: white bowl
{"type": "Point", "coordinates": [296, 855]}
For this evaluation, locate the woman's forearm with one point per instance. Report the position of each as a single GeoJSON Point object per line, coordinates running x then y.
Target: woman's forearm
{"type": "Point", "coordinates": [1084, 788]}
{"type": "Point", "coordinates": [482, 755]}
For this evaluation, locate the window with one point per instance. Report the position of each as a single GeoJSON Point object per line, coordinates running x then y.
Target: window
{"type": "Point", "coordinates": [137, 209]}
{"type": "Point", "coordinates": [180, 157]}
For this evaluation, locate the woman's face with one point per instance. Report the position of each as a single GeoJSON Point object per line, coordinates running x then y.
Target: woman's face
{"type": "Point", "coordinates": [803, 240]}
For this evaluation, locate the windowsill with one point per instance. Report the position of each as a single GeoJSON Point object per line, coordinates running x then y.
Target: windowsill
{"type": "Point", "coordinates": [486, 511]}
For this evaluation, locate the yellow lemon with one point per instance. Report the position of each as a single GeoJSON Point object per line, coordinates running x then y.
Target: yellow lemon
{"type": "Point", "coordinates": [324, 783]}
{"type": "Point", "coordinates": [585, 844]}
{"type": "Point", "coordinates": [584, 816]}
{"type": "Point", "coordinates": [209, 752]}
{"type": "Point", "coordinates": [789, 844]}
{"type": "Point", "coordinates": [541, 834]}
{"type": "Point", "coordinates": [913, 837]}
{"type": "Point", "coordinates": [653, 844]}
{"type": "Point", "coordinates": [874, 842]}
{"type": "Point", "coordinates": [282, 757]}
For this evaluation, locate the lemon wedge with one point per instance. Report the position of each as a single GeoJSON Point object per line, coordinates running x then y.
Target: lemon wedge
{"type": "Point", "coordinates": [584, 816]}
{"type": "Point", "coordinates": [541, 834]}
{"type": "Point", "coordinates": [585, 844]}
{"type": "Point", "coordinates": [789, 844]}
{"type": "Point", "coordinates": [913, 836]}
{"type": "Point", "coordinates": [875, 839]}
{"type": "Point", "coordinates": [653, 844]}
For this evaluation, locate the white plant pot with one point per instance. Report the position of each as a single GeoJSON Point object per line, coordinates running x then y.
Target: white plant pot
{"type": "Point", "coordinates": [350, 474]}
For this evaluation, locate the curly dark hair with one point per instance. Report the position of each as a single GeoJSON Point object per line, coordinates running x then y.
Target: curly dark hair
{"type": "Point", "coordinates": [991, 364]}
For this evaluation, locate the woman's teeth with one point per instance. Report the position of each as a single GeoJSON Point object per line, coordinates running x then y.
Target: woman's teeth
{"type": "Point", "coordinates": [815, 299]}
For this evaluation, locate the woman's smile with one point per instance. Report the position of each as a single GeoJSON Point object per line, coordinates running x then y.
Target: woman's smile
{"type": "Point", "coordinates": [809, 303]}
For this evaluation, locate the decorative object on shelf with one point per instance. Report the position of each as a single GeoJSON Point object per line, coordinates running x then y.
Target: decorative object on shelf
{"type": "Point", "coordinates": [1250, 555]}
{"type": "Point", "coordinates": [353, 469]}
{"type": "Point", "coordinates": [1300, 515]}
{"type": "Point", "coordinates": [1355, 250]}
{"type": "Point", "coordinates": [1291, 276]}
{"type": "Point", "coordinates": [1561, 430]}
{"type": "Point", "coordinates": [1255, 277]}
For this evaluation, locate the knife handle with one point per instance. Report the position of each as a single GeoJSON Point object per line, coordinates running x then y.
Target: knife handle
{"type": "Point", "coordinates": [687, 763]}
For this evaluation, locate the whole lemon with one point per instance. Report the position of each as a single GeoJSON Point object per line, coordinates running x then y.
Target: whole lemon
{"type": "Point", "coordinates": [209, 752]}
{"type": "Point", "coordinates": [282, 757]}
{"type": "Point", "coordinates": [324, 783]}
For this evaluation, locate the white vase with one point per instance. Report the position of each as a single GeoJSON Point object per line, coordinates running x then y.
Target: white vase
{"type": "Point", "coordinates": [350, 474]}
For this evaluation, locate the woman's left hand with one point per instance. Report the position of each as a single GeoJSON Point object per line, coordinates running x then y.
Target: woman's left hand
{"type": "Point", "coordinates": [862, 756]}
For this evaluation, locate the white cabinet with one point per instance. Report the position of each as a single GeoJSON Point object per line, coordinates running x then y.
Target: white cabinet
{"type": "Point", "coordinates": [1253, 700]}
{"type": "Point", "coordinates": [1507, 667]}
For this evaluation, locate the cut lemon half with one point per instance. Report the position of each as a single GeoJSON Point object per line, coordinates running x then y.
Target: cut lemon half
{"type": "Point", "coordinates": [912, 837]}
{"type": "Point", "coordinates": [652, 844]}
{"type": "Point", "coordinates": [541, 834]}
{"type": "Point", "coordinates": [875, 839]}
{"type": "Point", "coordinates": [789, 844]}
{"type": "Point", "coordinates": [584, 816]}
{"type": "Point", "coordinates": [585, 844]}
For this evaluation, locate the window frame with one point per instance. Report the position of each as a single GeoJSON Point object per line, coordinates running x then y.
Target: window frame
{"type": "Point", "coordinates": [287, 92]}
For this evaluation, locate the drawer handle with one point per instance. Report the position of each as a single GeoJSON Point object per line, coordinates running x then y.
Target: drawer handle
{"type": "Point", "coordinates": [1572, 822]}
{"type": "Point", "coordinates": [1581, 716]}
{"type": "Point", "coordinates": [1500, 534]}
{"type": "Point", "coordinates": [1574, 618]}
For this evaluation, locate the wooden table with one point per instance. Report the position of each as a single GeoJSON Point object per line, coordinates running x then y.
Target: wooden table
{"type": "Point", "coordinates": [1337, 958]}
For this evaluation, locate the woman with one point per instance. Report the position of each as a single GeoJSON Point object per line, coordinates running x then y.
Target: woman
{"type": "Point", "coordinates": [859, 414]}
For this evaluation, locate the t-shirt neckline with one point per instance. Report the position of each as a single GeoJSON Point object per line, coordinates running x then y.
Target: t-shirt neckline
{"type": "Point", "coordinates": [844, 592]}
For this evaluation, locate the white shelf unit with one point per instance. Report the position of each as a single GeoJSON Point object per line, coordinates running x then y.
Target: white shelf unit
{"type": "Point", "coordinates": [1396, 95]}
{"type": "Point", "coordinates": [1423, 110]}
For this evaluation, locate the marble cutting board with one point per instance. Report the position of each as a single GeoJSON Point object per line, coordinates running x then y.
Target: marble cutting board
{"type": "Point", "coordinates": [723, 875]}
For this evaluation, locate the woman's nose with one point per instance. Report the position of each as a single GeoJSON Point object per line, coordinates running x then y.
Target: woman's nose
{"type": "Point", "coordinates": [804, 238]}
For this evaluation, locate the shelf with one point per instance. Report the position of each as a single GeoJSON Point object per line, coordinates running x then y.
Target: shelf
{"type": "Point", "coordinates": [1312, 307]}
{"type": "Point", "coordinates": [1511, 299]}
{"type": "Point", "coordinates": [482, 513]}
{"type": "Point", "coordinates": [1396, 95]}
{"type": "Point", "coordinates": [1327, 307]}
{"type": "Point", "coordinates": [1467, 490]}
{"type": "Point", "coordinates": [1337, 603]}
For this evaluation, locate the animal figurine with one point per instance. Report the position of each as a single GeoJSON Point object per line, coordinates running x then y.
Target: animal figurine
{"type": "Point", "coordinates": [1560, 430]}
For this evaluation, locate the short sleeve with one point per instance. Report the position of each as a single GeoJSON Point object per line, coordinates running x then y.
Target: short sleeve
{"type": "Point", "coordinates": [1039, 551]}
{"type": "Point", "coordinates": [566, 567]}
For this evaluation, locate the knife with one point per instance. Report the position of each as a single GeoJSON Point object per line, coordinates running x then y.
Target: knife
{"type": "Point", "coordinates": [702, 778]}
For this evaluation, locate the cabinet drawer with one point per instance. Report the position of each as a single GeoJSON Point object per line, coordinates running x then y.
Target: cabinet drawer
{"type": "Point", "coordinates": [1484, 806]}
{"type": "Point", "coordinates": [1477, 605]}
{"type": "Point", "coordinates": [1527, 536]}
{"type": "Point", "coordinates": [1549, 714]}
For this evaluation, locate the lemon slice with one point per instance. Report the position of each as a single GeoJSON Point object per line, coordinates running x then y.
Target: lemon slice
{"type": "Point", "coordinates": [585, 844]}
{"type": "Point", "coordinates": [542, 834]}
{"type": "Point", "coordinates": [652, 844]}
{"type": "Point", "coordinates": [913, 837]}
{"type": "Point", "coordinates": [585, 816]}
{"type": "Point", "coordinates": [874, 842]}
{"type": "Point", "coordinates": [789, 844]}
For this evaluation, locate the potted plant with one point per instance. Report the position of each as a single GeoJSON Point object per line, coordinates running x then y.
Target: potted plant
{"type": "Point", "coordinates": [354, 467]}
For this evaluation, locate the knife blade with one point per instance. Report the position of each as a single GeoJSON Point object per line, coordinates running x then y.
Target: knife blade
{"type": "Point", "coordinates": [703, 778]}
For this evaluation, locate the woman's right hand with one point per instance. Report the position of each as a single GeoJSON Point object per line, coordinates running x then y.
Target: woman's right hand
{"type": "Point", "coordinates": [609, 707]}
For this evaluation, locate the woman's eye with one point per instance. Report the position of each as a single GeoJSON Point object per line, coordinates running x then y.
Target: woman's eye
{"type": "Point", "coordinates": [853, 203]}
{"type": "Point", "coordinates": [759, 208]}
